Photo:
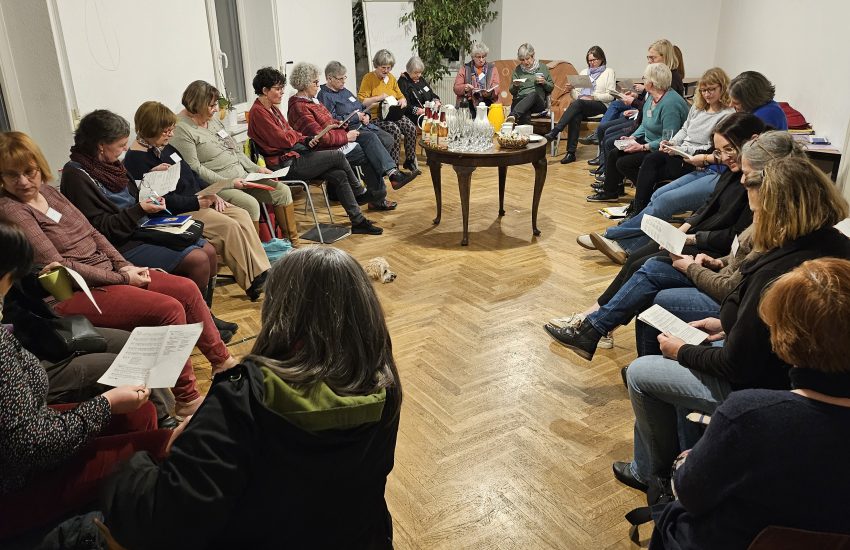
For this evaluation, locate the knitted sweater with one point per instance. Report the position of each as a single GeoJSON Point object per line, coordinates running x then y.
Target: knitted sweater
{"type": "Point", "coordinates": [606, 81]}
{"type": "Point", "coordinates": [210, 151]}
{"type": "Point", "coordinates": [695, 134]}
{"type": "Point", "coordinates": [371, 86]}
{"type": "Point", "coordinates": [528, 82]}
{"type": "Point", "coordinates": [311, 117]}
{"type": "Point", "coordinates": [668, 114]}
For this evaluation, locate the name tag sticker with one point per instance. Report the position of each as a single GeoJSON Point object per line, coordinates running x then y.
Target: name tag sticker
{"type": "Point", "coordinates": [352, 99]}
{"type": "Point", "coordinates": [426, 88]}
{"type": "Point", "coordinates": [53, 214]}
{"type": "Point", "coordinates": [176, 158]}
{"type": "Point", "coordinates": [482, 76]}
{"type": "Point", "coordinates": [222, 134]}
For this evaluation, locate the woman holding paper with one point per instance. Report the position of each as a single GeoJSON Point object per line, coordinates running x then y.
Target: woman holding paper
{"type": "Point", "coordinates": [477, 81]}
{"type": "Point", "coordinates": [798, 206]}
{"type": "Point", "coordinates": [283, 146]}
{"type": "Point", "coordinates": [127, 296]}
{"type": "Point", "coordinates": [587, 102]}
{"type": "Point", "coordinates": [228, 227]}
{"type": "Point", "coordinates": [531, 83]}
{"type": "Point", "coordinates": [316, 404]}
{"type": "Point", "coordinates": [53, 460]}
{"type": "Point", "coordinates": [205, 145]}
{"type": "Point", "coordinates": [97, 183]}
{"type": "Point", "coordinates": [416, 89]}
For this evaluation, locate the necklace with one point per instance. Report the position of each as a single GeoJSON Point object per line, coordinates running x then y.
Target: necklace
{"type": "Point", "coordinates": [653, 104]}
{"type": "Point", "coordinates": [157, 151]}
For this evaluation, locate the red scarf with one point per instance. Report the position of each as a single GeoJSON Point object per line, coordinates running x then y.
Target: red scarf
{"type": "Point", "coordinates": [112, 175]}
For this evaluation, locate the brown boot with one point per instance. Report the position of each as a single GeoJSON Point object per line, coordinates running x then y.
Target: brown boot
{"type": "Point", "coordinates": [285, 216]}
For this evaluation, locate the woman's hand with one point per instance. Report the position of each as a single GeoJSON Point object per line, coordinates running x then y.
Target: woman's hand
{"type": "Point", "coordinates": [682, 262]}
{"type": "Point", "coordinates": [139, 276]}
{"type": "Point", "coordinates": [628, 99]}
{"type": "Point", "coordinates": [707, 261]}
{"type": "Point", "coordinates": [586, 97]}
{"type": "Point", "coordinates": [151, 206]}
{"type": "Point", "coordinates": [220, 204]}
{"type": "Point", "coordinates": [239, 183]}
{"type": "Point", "coordinates": [638, 88]}
{"type": "Point", "coordinates": [402, 103]}
{"type": "Point", "coordinates": [420, 111]}
{"type": "Point", "coordinates": [264, 170]}
{"type": "Point", "coordinates": [697, 160]}
{"type": "Point", "coordinates": [176, 433]}
{"type": "Point", "coordinates": [568, 87]}
{"type": "Point", "coordinates": [313, 142]}
{"type": "Point", "coordinates": [670, 345]}
{"type": "Point", "coordinates": [467, 88]}
{"type": "Point", "coordinates": [49, 267]}
{"type": "Point", "coordinates": [539, 79]}
{"type": "Point", "coordinates": [161, 167]}
{"type": "Point", "coordinates": [125, 399]}
{"type": "Point", "coordinates": [712, 326]}
{"type": "Point", "coordinates": [352, 135]}
{"type": "Point", "coordinates": [635, 147]}
{"type": "Point", "coordinates": [630, 113]}
{"type": "Point", "coordinates": [690, 240]}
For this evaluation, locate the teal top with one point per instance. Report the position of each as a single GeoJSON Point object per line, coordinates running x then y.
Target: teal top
{"type": "Point", "coordinates": [669, 113]}
{"type": "Point", "coordinates": [530, 85]}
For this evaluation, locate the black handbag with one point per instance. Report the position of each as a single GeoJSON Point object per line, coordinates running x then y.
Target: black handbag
{"type": "Point", "coordinates": [174, 241]}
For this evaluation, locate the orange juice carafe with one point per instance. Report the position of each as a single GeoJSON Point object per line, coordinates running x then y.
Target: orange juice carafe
{"type": "Point", "coordinates": [496, 116]}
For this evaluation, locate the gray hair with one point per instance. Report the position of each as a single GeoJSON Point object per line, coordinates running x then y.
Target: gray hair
{"type": "Point", "coordinates": [335, 69]}
{"type": "Point", "coordinates": [766, 147]}
{"type": "Point", "coordinates": [415, 64]}
{"type": "Point", "coordinates": [525, 51]}
{"type": "Point", "coordinates": [303, 74]}
{"type": "Point", "coordinates": [751, 89]}
{"type": "Point", "coordinates": [479, 48]}
{"type": "Point", "coordinates": [659, 74]}
{"type": "Point", "coordinates": [383, 57]}
{"type": "Point", "coordinates": [99, 127]}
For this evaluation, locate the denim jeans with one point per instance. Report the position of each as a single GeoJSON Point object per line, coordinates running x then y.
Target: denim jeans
{"type": "Point", "coordinates": [659, 388]}
{"type": "Point", "coordinates": [686, 193]}
{"type": "Point", "coordinates": [373, 173]}
{"type": "Point", "coordinates": [637, 294]}
{"type": "Point", "coordinates": [688, 304]}
{"type": "Point", "coordinates": [615, 109]}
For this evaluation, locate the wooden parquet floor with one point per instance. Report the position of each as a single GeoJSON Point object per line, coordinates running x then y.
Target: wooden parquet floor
{"type": "Point", "coordinates": [506, 438]}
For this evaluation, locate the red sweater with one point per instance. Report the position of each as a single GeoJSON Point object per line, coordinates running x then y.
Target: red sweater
{"type": "Point", "coordinates": [272, 133]}
{"type": "Point", "coordinates": [310, 118]}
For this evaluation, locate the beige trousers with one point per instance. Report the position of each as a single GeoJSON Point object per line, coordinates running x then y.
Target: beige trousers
{"type": "Point", "coordinates": [236, 242]}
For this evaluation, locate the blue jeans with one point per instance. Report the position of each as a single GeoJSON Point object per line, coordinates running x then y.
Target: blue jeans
{"type": "Point", "coordinates": [660, 389]}
{"type": "Point", "coordinates": [688, 304]}
{"type": "Point", "coordinates": [686, 193]}
{"type": "Point", "coordinates": [637, 294]}
{"type": "Point", "coordinates": [615, 109]}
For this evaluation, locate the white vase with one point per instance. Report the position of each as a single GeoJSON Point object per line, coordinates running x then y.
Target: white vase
{"type": "Point", "coordinates": [230, 119]}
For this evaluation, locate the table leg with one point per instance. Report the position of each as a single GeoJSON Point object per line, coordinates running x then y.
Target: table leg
{"type": "Point", "coordinates": [464, 180]}
{"type": "Point", "coordinates": [434, 168]}
{"type": "Point", "coordinates": [503, 172]}
{"type": "Point", "coordinates": [540, 168]}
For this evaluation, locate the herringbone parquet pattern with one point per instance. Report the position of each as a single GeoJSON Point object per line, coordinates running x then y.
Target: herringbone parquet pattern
{"type": "Point", "coordinates": [506, 438]}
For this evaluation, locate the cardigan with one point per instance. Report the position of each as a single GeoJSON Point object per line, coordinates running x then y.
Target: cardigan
{"type": "Point", "coordinates": [371, 86]}
{"type": "Point", "coordinates": [72, 241]}
{"type": "Point", "coordinates": [606, 81]}
{"type": "Point", "coordinates": [668, 114]}
{"type": "Point", "coordinates": [767, 458]}
{"type": "Point", "coordinates": [725, 213]}
{"type": "Point", "coordinates": [183, 198]}
{"type": "Point", "coordinates": [213, 157]}
{"type": "Point", "coordinates": [33, 437]}
{"type": "Point", "coordinates": [264, 465]}
{"type": "Point", "coordinates": [746, 359]}
{"type": "Point", "coordinates": [273, 134]}
{"type": "Point", "coordinates": [310, 117]}
{"type": "Point", "coordinates": [718, 284]}
{"type": "Point", "coordinates": [467, 73]}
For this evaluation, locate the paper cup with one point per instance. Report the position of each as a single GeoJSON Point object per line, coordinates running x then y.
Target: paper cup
{"type": "Point", "coordinates": [525, 129]}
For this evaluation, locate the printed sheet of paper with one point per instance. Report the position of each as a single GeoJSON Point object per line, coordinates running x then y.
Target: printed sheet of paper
{"type": "Point", "coordinates": [153, 356]}
{"type": "Point", "coordinates": [665, 321]}
{"type": "Point", "coordinates": [670, 238]}
{"type": "Point", "coordinates": [580, 81]}
{"type": "Point", "coordinates": [159, 182]}
{"type": "Point", "coordinates": [676, 151]}
{"type": "Point", "coordinates": [844, 226]}
{"type": "Point", "coordinates": [256, 176]}
{"type": "Point", "coordinates": [83, 286]}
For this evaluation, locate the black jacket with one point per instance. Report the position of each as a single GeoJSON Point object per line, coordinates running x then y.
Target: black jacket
{"type": "Point", "coordinates": [183, 198]}
{"type": "Point", "coordinates": [244, 476]}
{"type": "Point", "coordinates": [726, 213]}
{"type": "Point", "coordinates": [746, 359]}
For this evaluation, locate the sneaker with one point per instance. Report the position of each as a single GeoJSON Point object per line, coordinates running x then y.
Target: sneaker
{"type": "Point", "coordinates": [606, 342]}
{"type": "Point", "coordinates": [383, 205]}
{"type": "Point", "coordinates": [410, 166]}
{"type": "Point", "coordinates": [399, 179]}
{"type": "Point", "coordinates": [610, 248]}
{"type": "Point", "coordinates": [585, 242]}
{"type": "Point", "coordinates": [602, 196]}
{"type": "Point", "coordinates": [573, 320]}
{"type": "Point", "coordinates": [366, 227]}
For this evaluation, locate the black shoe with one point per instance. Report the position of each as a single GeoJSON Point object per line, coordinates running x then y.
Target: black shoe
{"type": "Point", "coordinates": [383, 205]}
{"type": "Point", "coordinates": [623, 474]}
{"type": "Point", "coordinates": [411, 167]}
{"type": "Point", "coordinates": [603, 196]}
{"type": "Point", "coordinates": [568, 158]}
{"type": "Point", "coordinates": [551, 136]}
{"type": "Point", "coordinates": [399, 179]}
{"type": "Point", "coordinates": [257, 286]}
{"type": "Point", "coordinates": [591, 139]}
{"type": "Point", "coordinates": [581, 339]}
{"type": "Point", "coordinates": [224, 325]}
{"type": "Point", "coordinates": [364, 198]}
{"type": "Point", "coordinates": [167, 422]}
{"type": "Point", "coordinates": [623, 375]}
{"type": "Point", "coordinates": [596, 171]}
{"type": "Point", "coordinates": [594, 161]}
{"type": "Point", "coordinates": [597, 186]}
{"type": "Point", "coordinates": [366, 227]}
{"type": "Point", "coordinates": [600, 178]}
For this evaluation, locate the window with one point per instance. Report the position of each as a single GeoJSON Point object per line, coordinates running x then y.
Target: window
{"type": "Point", "coordinates": [232, 63]}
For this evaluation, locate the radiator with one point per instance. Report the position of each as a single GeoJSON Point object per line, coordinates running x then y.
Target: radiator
{"type": "Point", "coordinates": [443, 88]}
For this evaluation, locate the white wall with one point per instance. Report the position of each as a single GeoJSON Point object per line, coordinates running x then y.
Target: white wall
{"type": "Point", "coordinates": [623, 29]}
{"type": "Point", "coordinates": [801, 47]}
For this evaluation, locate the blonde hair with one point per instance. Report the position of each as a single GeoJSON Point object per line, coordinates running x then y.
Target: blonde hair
{"type": "Point", "coordinates": [796, 198]}
{"type": "Point", "coordinates": [665, 49]}
{"type": "Point", "coordinates": [152, 118]}
{"type": "Point", "coordinates": [808, 313]}
{"type": "Point", "coordinates": [712, 77]}
{"type": "Point", "coordinates": [18, 152]}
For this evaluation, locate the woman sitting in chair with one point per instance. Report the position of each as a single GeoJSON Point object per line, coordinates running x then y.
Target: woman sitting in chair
{"type": "Point", "coordinates": [416, 89]}
{"type": "Point", "coordinates": [283, 146]}
{"type": "Point", "coordinates": [478, 80]}
{"type": "Point", "coordinates": [296, 443]}
{"type": "Point", "coordinates": [531, 83]}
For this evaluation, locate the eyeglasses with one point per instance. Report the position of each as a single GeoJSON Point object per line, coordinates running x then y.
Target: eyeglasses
{"type": "Point", "coordinates": [479, 56]}
{"type": "Point", "coordinates": [316, 82]}
{"type": "Point", "coordinates": [589, 60]}
{"type": "Point", "coordinates": [13, 177]}
{"type": "Point", "coordinates": [653, 58]}
{"type": "Point", "coordinates": [709, 90]}
{"type": "Point", "coordinates": [340, 78]}
{"type": "Point", "coordinates": [168, 131]}
{"type": "Point", "coordinates": [729, 151]}
{"type": "Point", "coordinates": [279, 88]}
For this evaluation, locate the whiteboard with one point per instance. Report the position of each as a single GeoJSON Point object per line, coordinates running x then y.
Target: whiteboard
{"type": "Point", "coordinates": [383, 31]}
{"type": "Point", "coordinates": [121, 53]}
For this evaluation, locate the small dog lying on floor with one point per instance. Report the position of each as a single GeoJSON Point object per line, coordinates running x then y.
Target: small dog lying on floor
{"type": "Point", "coordinates": [379, 269]}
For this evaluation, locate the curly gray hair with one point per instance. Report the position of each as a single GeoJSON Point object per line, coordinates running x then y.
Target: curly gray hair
{"type": "Point", "coordinates": [479, 48]}
{"type": "Point", "coordinates": [383, 57]}
{"type": "Point", "coordinates": [303, 74]}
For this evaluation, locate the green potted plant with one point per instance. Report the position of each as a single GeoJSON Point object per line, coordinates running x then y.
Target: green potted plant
{"type": "Point", "coordinates": [443, 30]}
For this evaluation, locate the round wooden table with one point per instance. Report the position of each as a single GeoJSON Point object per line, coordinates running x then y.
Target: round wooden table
{"type": "Point", "coordinates": [466, 163]}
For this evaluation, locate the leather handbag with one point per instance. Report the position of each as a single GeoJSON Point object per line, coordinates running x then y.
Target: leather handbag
{"type": "Point", "coordinates": [174, 241]}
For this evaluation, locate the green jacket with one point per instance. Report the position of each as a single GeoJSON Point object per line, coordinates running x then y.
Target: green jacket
{"type": "Point", "coordinates": [530, 85]}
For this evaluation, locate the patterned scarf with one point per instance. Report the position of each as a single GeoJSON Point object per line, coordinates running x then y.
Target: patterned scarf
{"type": "Point", "coordinates": [112, 175]}
{"type": "Point", "coordinates": [532, 69]}
{"type": "Point", "coordinates": [593, 74]}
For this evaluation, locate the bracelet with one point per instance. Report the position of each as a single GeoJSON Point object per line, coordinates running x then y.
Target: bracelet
{"type": "Point", "coordinates": [704, 161]}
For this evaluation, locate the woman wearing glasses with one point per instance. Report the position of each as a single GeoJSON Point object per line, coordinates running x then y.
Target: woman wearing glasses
{"type": "Point", "coordinates": [478, 80]}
